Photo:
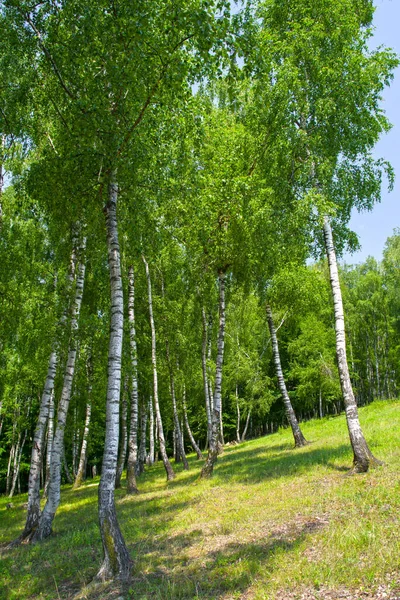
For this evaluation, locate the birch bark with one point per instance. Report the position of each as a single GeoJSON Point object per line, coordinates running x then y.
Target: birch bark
{"type": "Point", "coordinates": [216, 408]}
{"type": "Point", "coordinates": [12, 459]}
{"type": "Point", "coordinates": [190, 434]}
{"type": "Point", "coordinates": [131, 486]}
{"type": "Point", "coordinates": [53, 500]}
{"type": "Point", "coordinates": [80, 476]}
{"type": "Point", "coordinates": [65, 466]}
{"type": "Point", "coordinates": [2, 143]}
{"type": "Point", "coordinates": [210, 389]}
{"type": "Point", "coordinates": [17, 462]}
{"type": "Point", "coordinates": [49, 446]}
{"type": "Point", "coordinates": [151, 432]}
{"type": "Point", "coordinates": [180, 451]}
{"type": "Point", "coordinates": [75, 443]}
{"type": "Point", "coordinates": [238, 416]}
{"type": "Point", "coordinates": [13, 473]}
{"type": "Point", "coordinates": [36, 465]}
{"type": "Point", "coordinates": [299, 439]}
{"type": "Point", "coordinates": [161, 439]}
{"type": "Point", "coordinates": [362, 455]}
{"type": "Point", "coordinates": [123, 440]}
{"type": "Point", "coordinates": [83, 455]}
{"type": "Point", "coordinates": [142, 447]}
{"type": "Point", "coordinates": [33, 511]}
{"type": "Point", "coordinates": [204, 368]}
{"type": "Point", "coordinates": [246, 426]}
{"type": "Point", "coordinates": [116, 562]}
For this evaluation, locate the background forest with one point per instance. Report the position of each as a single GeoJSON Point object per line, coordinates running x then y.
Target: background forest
{"type": "Point", "coordinates": [249, 390]}
{"type": "Point", "coordinates": [171, 178]}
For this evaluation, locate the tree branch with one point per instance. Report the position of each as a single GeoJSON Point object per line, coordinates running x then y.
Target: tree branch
{"type": "Point", "coordinates": [49, 57]}
{"type": "Point", "coordinates": [149, 98]}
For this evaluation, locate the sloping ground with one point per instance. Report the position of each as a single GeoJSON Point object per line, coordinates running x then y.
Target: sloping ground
{"type": "Point", "coordinates": [273, 523]}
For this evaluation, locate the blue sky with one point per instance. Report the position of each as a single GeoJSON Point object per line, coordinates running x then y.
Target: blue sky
{"type": "Point", "coordinates": [374, 227]}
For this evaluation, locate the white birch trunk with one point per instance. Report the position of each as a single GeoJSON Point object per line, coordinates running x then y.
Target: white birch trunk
{"type": "Point", "coordinates": [161, 439]}
{"type": "Point", "coordinates": [180, 451]}
{"type": "Point", "coordinates": [117, 562]}
{"type": "Point", "coordinates": [238, 416]}
{"type": "Point", "coordinates": [131, 486]}
{"type": "Point", "coordinates": [33, 511]}
{"type": "Point", "coordinates": [299, 439]}
{"type": "Point", "coordinates": [36, 465]}
{"type": "Point", "coordinates": [151, 432]}
{"type": "Point", "coordinates": [221, 429]}
{"type": "Point", "coordinates": [11, 472]}
{"type": "Point", "coordinates": [216, 409]}
{"type": "Point", "coordinates": [10, 462]}
{"type": "Point", "coordinates": [205, 378]}
{"type": "Point", "coordinates": [321, 414]}
{"type": "Point", "coordinates": [2, 143]}
{"type": "Point", "coordinates": [142, 447]}
{"type": "Point", "coordinates": [210, 390]}
{"type": "Point", "coordinates": [123, 440]}
{"type": "Point", "coordinates": [363, 456]}
{"type": "Point", "coordinates": [75, 444]}
{"type": "Point", "coordinates": [49, 446]}
{"type": "Point", "coordinates": [80, 476]}
{"type": "Point", "coordinates": [246, 426]}
{"type": "Point", "coordinates": [189, 431]}
{"type": "Point", "coordinates": [65, 466]}
{"type": "Point", "coordinates": [17, 463]}
{"type": "Point", "coordinates": [54, 492]}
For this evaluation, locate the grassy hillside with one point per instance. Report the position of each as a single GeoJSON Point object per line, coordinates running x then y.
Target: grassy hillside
{"type": "Point", "coordinates": [273, 523]}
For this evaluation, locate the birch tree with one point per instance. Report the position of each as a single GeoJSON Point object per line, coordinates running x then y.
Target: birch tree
{"type": "Point", "coordinates": [299, 438]}
{"type": "Point", "coordinates": [134, 416]}
{"type": "Point", "coordinates": [80, 476]}
{"type": "Point", "coordinates": [53, 498]}
{"type": "Point", "coordinates": [333, 118]}
{"type": "Point", "coordinates": [161, 439]}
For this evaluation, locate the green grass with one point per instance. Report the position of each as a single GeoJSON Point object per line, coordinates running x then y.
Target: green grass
{"type": "Point", "coordinates": [271, 523]}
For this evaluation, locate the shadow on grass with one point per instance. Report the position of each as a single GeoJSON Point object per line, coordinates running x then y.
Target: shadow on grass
{"type": "Point", "coordinates": [229, 568]}
{"type": "Point", "coordinates": [256, 465]}
{"type": "Point", "coordinates": [73, 554]}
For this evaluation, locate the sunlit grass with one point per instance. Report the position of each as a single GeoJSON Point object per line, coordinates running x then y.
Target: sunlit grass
{"type": "Point", "coordinates": [272, 518]}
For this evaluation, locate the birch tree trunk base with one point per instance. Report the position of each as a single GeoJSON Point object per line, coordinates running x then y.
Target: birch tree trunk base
{"type": "Point", "coordinates": [131, 487]}
{"type": "Point", "coordinates": [45, 529]}
{"type": "Point", "coordinates": [208, 466]}
{"type": "Point", "coordinates": [117, 563]}
{"type": "Point", "coordinates": [364, 466]}
{"type": "Point", "coordinates": [169, 470]}
{"type": "Point", "coordinates": [363, 458]}
{"type": "Point", "coordinates": [299, 440]}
